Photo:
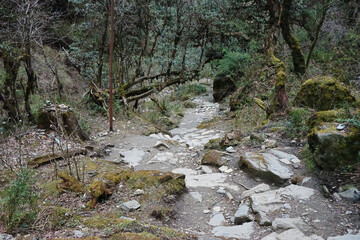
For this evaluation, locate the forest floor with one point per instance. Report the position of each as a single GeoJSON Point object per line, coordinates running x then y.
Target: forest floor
{"type": "Point", "coordinates": [208, 207]}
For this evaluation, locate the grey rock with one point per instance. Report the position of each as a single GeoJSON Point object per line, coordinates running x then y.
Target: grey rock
{"type": "Point", "coordinates": [229, 196]}
{"type": "Point", "coordinates": [206, 169]}
{"type": "Point", "coordinates": [197, 196]}
{"type": "Point", "coordinates": [266, 202]}
{"type": "Point", "coordinates": [316, 237]}
{"type": "Point", "coordinates": [221, 190]}
{"type": "Point", "coordinates": [271, 236]}
{"type": "Point", "coordinates": [262, 219]}
{"type": "Point", "coordinates": [161, 144]}
{"type": "Point", "coordinates": [270, 143]}
{"type": "Point", "coordinates": [78, 234]}
{"type": "Point", "coordinates": [242, 215]}
{"type": "Point", "coordinates": [297, 192]}
{"type": "Point", "coordinates": [4, 236]}
{"type": "Point", "coordinates": [243, 231]}
{"type": "Point", "coordinates": [131, 205]}
{"type": "Point", "coordinates": [257, 189]}
{"type": "Point", "coordinates": [295, 161]}
{"type": "Point", "coordinates": [292, 234]}
{"type": "Point", "coordinates": [217, 220]}
{"type": "Point", "coordinates": [139, 192]}
{"type": "Point", "coordinates": [346, 237]}
{"type": "Point", "coordinates": [352, 194]}
{"type": "Point", "coordinates": [230, 149]}
{"type": "Point", "coordinates": [289, 223]}
{"type": "Point", "coordinates": [267, 166]}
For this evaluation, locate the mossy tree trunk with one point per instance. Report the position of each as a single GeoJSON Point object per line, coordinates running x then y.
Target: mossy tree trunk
{"type": "Point", "coordinates": [291, 40]}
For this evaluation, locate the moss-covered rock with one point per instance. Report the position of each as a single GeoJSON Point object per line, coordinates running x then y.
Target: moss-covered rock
{"type": "Point", "coordinates": [213, 158]}
{"type": "Point", "coordinates": [213, 144]}
{"type": "Point", "coordinates": [231, 138]}
{"type": "Point", "coordinates": [99, 190]}
{"type": "Point", "coordinates": [326, 116]}
{"type": "Point", "coordinates": [334, 149]}
{"type": "Point", "coordinates": [70, 183]}
{"type": "Point", "coordinates": [323, 93]}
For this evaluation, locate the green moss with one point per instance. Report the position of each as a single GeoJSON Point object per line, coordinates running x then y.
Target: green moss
{"type": "Point", "coordinates": [213, 158]}
{"type": "Point", "coordinates": [213, 144]}
{"type": "Point", "coordinates": [208, 124]}
{"type": "Point", "coordinates": [335, 149]}
{"type": "Point", "coordinates": [123, 225]}
{"type": "Point", "coordinates": [134, 236]}
{"type": "Point", "coordinates": [97, 188]}
{"type": "Point", "coordinates": [50, 189]}
{"type": "Point", "coordinates": [323, 93]}
{"type": "Point", "coordinates": [326, 116]}
{"type": "Point", "coordinates": [70, 183]}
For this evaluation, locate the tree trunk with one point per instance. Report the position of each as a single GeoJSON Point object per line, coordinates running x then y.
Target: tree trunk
{"type": "Point", "coordinates": [8, 96]}
{"type": "Point", "coordinates": [102, 48]}
{"type": "Point", "coordinates": [31, 81]}
{"type": "Point", "coordinates": [293, 43]}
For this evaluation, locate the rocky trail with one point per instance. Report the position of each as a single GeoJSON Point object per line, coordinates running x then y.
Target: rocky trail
{"type": "Point", "coordinates": [271, 196]}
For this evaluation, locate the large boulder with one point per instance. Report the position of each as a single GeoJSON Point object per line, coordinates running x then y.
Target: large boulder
{"type": "Point", "coordinates": [323, 93]}
{"type": "Point", "coordinates": [267, 166]}
{"type": "Point", "coordinates": [334, 145]}
{"type": "Point", "coordinates": [223, 86]}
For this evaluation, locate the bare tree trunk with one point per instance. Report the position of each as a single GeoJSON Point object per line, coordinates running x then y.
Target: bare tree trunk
{"type": "Point", "coordinates": [102, 47]}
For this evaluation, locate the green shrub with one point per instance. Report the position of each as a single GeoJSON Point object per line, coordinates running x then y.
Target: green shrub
{"type": "Point", "coordinates": [184, 92]}
{"type": "Point", "coordinates": [296, 124]}
{"type": "Point", "coordinates": [19, 202]}
{"type": "Point", "coordinates": [308, 157]}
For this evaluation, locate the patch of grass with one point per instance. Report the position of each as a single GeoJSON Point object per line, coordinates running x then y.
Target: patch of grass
{"type": "Point", "coordinates": [18, 202]}
{"type": "Point", "coordinates": [308, 157]}
{"type": "Point", "coordinates": [249, 118]}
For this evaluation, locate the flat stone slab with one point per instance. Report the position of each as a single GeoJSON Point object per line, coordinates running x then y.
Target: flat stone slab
{"type": "Point", "coordinates": [297, 192]}
{"type": "Point", "coordinates": [346, 237]}
{"type": "Point", "coordinates": [292, 159]}
{"type": "Point", "coordinates": [273, 200]}
{"type": "Point", "coordinates": [243, 231]}
{"type": "Point", "coordinates": [209, 180]}
{"type": "Point", "coordinates": [197, 196]}
{"type": "Point", "coordinates": [257, 189]}
{"type": "Point", "coordinates": [289, 223]}
{"type": "Point", "coordinates": [266, 166]}
{"type": "Point", "coordinates": [217, 220]}
{"type": "Point", "coordinates": [131, 205]}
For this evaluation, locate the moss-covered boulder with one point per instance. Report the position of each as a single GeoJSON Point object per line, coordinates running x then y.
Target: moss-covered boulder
{"type": "Point", "coordinates": [326, 116]}
{"type": "Point", "coordinates": [213, 158]}
{"type": "Point", "coordinates": [223, 86]}
{"type": "Point", "coordinates": [333, 147]}
{"type": "Point", "coordinates": [323, 93]}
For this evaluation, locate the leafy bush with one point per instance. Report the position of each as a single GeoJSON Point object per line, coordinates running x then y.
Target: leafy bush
{"type": "Point", "coordinates": [187, 91]}
{"type": "Point", "coordinates": [233, 64]}
{"type": "Point", "coordinates": [296, 125]}
{"type": "Point", "coordinates": [18, 202]}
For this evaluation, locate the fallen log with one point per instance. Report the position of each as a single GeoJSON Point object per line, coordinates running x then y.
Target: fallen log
{"type": "Point", "coordinates": [49, 158]}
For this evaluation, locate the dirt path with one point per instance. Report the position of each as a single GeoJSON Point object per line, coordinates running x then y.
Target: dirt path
{"type": "Point", "coordinates": [217, 204]}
